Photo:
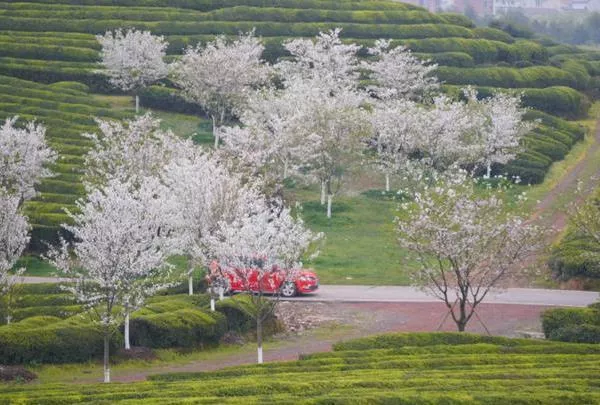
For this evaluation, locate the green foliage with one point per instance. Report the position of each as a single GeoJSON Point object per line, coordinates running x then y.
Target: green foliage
{"type": "Point", "coordinates": [398, 340]}
{"type": "Point", "coordinates": [493, 34]}
{"type": "Point", "coordinates": [537, 77]}
{"type": "Point", "coordinates": [168, 99]}
{"type": "Point", "coordinates": [579, 325]}
{"type": "Point", "coordinates": [238, 312]}
{"type": "Point", "coordinates": [71, 340]}
{"type": "Point", "coordinates": [186, 327]}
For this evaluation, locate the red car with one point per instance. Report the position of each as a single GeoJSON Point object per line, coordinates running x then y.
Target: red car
{"type": "Point", "coordinates": [273, 282]}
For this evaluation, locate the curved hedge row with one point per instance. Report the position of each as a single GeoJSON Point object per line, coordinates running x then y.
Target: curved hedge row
{"type": "Point", "coordinates": [233, 28]}
{"type": "Point", "coordinates": [207, 5]}
{"type": "Point", "coordinates": [507, 77]}
{"type": "Point", "coordinates": [238, 13]}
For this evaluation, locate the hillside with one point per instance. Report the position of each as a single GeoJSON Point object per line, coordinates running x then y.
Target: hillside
{"type": "Point", "coordinates": [45, 42]}
{"type": "Point", "coordinates": [420, 368]}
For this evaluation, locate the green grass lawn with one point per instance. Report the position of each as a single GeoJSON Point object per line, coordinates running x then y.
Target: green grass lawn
{"type": "Point", "coordinates": [360, 246]}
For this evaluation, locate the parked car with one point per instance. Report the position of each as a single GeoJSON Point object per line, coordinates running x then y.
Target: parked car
{"type": "Point", "coordinates": [275, 281]}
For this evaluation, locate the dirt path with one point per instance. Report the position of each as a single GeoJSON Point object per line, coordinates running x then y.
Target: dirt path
{"type": "Point", "coordinates": [342, 321]}
{"type": "Point", "coordinates": [568, 184]}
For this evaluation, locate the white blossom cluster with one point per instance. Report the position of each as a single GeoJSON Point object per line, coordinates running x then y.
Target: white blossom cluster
{"type": "Point", "coordinates": [24, 161]}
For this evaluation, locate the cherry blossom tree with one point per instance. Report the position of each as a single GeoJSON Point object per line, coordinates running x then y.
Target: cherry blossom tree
{"type": "Point", "coordinates": [133, 59]}
{"type": "Point", "coordinates": [501, 127]}
{"type": "Point", "coordinates": [121, 236]}
{"type": "Point", "coordinates": [257, 244]}
{"type": "Point", "coordinates": [24, 158]}
{"type": "Point", "coordinates": [269, 142]}
{"type": "Point", "coordinates": [220, 75]}
{"type": "Point", "coordinates": [323, 76]}
{"type": "Point", "coordinates": [464, 240]}
{"type": "Point", "coordinates": [399, 74]}
{"type": "Point", "coordinates": [210, 196]}
{"type": "Point", "coordinates": [129, 153]}
{"type": "Point", "coordinates": [14, 237]}
{"type": "Point", "coordinates": [135, 149]}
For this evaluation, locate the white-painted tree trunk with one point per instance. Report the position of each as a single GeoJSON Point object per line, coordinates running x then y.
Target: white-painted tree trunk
{"type": "Point", "coordinates": [329, 201]}
{"type": "Point", "coordinates": [323, 192]}
{"type": "Point", "coordinates": [106, 357]}
{"type": "Point", "coordinates": [387, 182]}
{"type": "Point", "coordinates": [260, 354]}
{"type": "Point", "coordinates": [126, 332]}
{"type": "Point", "coordinates": [137, 104]}
{"type": "Point", "coordinates": [489, 170]}
{"type": "Point", "coordinates": [221, 294]}
{"type": "Point", "coordinates": [191, 284]}
{"type": "Point", "coordinates": [8, 319]}
{"type": "Point", "coordinates": [212, 304]}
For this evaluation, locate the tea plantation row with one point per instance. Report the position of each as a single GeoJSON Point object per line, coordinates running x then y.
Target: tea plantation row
{"type": "Point", "coordinates": [435, 368]}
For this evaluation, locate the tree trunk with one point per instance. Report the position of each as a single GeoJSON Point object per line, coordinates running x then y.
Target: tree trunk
{"type": "Point", "coordinates": [387, 182]}
{"type": "Point", "coordinates": [259, 339]}
{"type": "Point", "coordinates": [106, 354]}
{"type": "Point", "coordinates": [221, 293]}
{"type": "Point", "coordinates": [191, 284]}
{"type": "Point", "coordinates": [8, 319]}
{"type": "Point", "coordinates": [489, 170]}
{"type": "Point", "coordinates": [323, 192]}
{"type": "Point", "coordinates": [461, 323]}
{"type": "Point", "coordinates": [212, 304]}
{"type": "Point", "coordinates": [329, 201]}
{"type": "Point", "coordinates": [215, 132]}
{"type": "Point", "coordinates": [285, 169]}
{"type": "Point", "coordinates": [137, 104]}
{"type": "Point", "coordinates": [126, 332]}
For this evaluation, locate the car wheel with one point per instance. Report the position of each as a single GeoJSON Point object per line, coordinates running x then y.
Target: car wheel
{"type": "Point", "coordinates": [288, 289]}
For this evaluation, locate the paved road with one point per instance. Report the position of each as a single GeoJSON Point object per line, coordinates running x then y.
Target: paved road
{"type": "Point", "coordinates": [523, 296]}
{"type": "Point", "coordinates": [365, 293]}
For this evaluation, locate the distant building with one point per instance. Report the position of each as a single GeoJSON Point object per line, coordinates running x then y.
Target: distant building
{"type": "Point", "coordinates": [431, 5]}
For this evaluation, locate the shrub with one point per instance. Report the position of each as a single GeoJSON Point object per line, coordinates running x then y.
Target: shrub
{"type": "Point", "coordinates": [182, 328]}
{"type": "Point", "coordinates": [398, 340]}
{"type": "Point", "coordinates": [54, 311]}
{"type": "Point", "coordinates": [580, 325]}
{"type": "Point", "coordinates": [168, 99]}
{"type": "Point", "coordinates": [71, 340]}
{"type": "Point", "coordinates": [537, 76]}
{"type": "Point", "coordinates": [493, 34]}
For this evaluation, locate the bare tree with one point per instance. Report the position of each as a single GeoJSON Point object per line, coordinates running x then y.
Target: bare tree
{"type": "Point", "coordinates": [465, 240]}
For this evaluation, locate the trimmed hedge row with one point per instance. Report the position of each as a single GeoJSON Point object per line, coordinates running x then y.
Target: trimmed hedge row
{"type": "Point", "coordinates": [397, 340]}
{"type": "Point", "coordinates": [182, 328]}
{"type": "Point", "coordinates": [207, 5]}
{"type": "Point", "coordinates": [561, 101]}
{"type": "Point", "coordinates": [239, 13]}
{"type": "Point", "coordinates": [92, 26]}
{"type": "Point", "coordinates": [71, 340]}
{"type": "Point", "coordinates": [536, 77]}
{"type": "Point", "coordinates": [579, 325]}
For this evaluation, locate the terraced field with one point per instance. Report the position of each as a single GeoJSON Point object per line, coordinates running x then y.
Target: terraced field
{"type": "Point", "coordinates": [67, 110]}
{"type": "Point", "coordinates": [48, 41]}
{"type": "Point", "coordinates": [443, 368]}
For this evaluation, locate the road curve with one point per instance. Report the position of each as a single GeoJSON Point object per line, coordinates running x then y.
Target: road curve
{"type": "Point", "coordinates": [521, 296]}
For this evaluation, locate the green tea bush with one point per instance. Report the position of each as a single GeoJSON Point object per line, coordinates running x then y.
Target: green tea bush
{"type": "Point", "coordinates": [70, 340]}
{"type": "Point", "coordinates": [182, 328]}
{"type": "Point", "coordinates": [397, 340]}
{"type": "Point", "coordinates": [580, 325]}
{"type": "Point", "coordinates": [53, 311]}
{"type": "Point", "coordinates": [537, 76]}
{"type": "Point", "coordinates": [493, 34]}
{"type": "Point", "coordinates": [165, 98]}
